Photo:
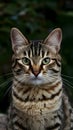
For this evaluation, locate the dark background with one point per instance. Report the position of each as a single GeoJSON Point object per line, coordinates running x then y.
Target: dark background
{"type": "Point", "coordinates": [35, 19]}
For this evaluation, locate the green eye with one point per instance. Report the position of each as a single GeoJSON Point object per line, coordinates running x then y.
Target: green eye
{"type": "Point", "coordinates": [26, 61]}
{"type": "Point", "coordinates": [46, 61]}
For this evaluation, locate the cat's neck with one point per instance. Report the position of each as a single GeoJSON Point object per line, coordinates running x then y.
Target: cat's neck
{"type": "Point", "coordinates": [51, 96]}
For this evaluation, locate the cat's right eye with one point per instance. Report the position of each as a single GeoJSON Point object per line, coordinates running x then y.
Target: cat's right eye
{"type": "Point", "coordinates": [25, 61]}
{"type": "Point", "coordinates": [46, 61]}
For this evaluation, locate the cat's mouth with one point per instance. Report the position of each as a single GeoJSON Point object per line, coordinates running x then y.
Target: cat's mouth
{"type": "Point", "coordinates": [36, 80]}
{"type": "Point", "coordinates": [36, 77]}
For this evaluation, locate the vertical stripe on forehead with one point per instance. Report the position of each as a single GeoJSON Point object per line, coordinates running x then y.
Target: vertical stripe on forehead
{"type": "Point", "coordinates": [36, 49]}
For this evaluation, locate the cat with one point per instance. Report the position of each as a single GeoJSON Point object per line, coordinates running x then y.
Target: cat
{"type": "Point", "coordinates": [39, 101]}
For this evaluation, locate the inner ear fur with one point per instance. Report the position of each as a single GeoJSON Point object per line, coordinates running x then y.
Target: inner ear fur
{"type": "Point", "coordinates": [17, 39]}
{"type": "Point", "coordinates": [54, 39]}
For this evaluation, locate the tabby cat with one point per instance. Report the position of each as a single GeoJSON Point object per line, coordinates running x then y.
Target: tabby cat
{"type": "Point", "coordinates": [39, 101]}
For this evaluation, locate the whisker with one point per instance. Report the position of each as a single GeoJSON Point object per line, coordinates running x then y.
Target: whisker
{"type": "Point", "coordinates": [7, 91]}
{"type": "Point", "coordinates": [65, 82]}
{"type": "Point", "coordinates": [5, 88]}
{"type": "Point", "coordinates": [68, 85]}
{"type": "Point", "coordinates": [8, 74]}
{"type": "Point", "coordinates": [67, 76]}
{"type": "Point", "coordinates": [6, 82]}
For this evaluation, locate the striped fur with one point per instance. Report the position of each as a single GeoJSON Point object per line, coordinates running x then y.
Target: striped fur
{"type": "Point", "coordinates": [38, 99]}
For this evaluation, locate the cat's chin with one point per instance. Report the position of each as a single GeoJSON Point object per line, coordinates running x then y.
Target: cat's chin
{"type": "Point", "coordinates": [36, 82]}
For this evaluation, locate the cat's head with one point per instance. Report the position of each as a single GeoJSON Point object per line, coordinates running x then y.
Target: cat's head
{"type": "Point", "coordinates": [36, 62]}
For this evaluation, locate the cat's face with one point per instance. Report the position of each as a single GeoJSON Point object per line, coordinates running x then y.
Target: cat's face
{"type": "Point", "coordinates": [36, 62]}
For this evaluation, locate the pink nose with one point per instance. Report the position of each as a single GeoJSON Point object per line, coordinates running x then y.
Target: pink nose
{"type": "Point", "coordinates": [36, 73]}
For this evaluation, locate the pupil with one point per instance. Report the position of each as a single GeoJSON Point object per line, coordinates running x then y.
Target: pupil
{"type": "Point", "coordinates": [46, 60]}
{"type": "Point", "coordinates": [26, 60]}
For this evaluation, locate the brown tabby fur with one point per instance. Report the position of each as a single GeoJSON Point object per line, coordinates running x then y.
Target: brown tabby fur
{"type": "Point", "coordinates": [39, 101]}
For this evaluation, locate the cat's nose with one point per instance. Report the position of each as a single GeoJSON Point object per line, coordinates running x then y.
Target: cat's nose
{"type": "Point", "coordinates": [36, 73]}
{"type": "Point", "coordinates": [35, 70]}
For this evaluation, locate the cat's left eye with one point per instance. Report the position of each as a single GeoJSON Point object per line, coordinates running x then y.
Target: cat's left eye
{"type": "Point", "coordinates": [46, 61]}
{"type": "Point", "coordinates": [26, 61]}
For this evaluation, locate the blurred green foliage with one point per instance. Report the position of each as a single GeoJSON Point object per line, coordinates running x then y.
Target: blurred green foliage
{"type": "Point", "coordinates": [35, 19]}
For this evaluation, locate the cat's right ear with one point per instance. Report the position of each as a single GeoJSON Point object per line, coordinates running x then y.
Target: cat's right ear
{"type": "Point", "coordinates": [53, 41]}
{"type": "Point", "coordinates": [18, 40]}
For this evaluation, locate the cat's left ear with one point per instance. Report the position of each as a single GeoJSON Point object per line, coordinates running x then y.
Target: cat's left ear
{"type": "Point", "coordinates": [54, 40]}
{"type": "Point", "coordinates": [18, 40]}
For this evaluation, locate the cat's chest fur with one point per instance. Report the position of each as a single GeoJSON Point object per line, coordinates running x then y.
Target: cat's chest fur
{"type": "Point", "coordinates": [37, 108]}
{"type": "Point", "coordinates": [33, 100]}
{"type": "Point", "coordinates": [39, 119]}
{"type": "Point", "coordinates": [50, 114]}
